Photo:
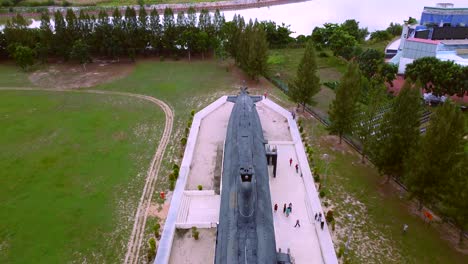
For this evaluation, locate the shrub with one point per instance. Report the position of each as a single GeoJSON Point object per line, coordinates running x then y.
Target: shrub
{"type": "Point", "coordinates": [152, 244]}
{"type": "Point", "coordinates": [341, 250]}
{"type": "Point", "coordinates": [183, 141]}
{"type": "Point", "coordinates": [195, 233]}
{"type": "Point", "coordinates": [299, 122]}
{"type": "Point", "coordinates": [329, 216]}
{"type": "Point", "coordinates": [175, 169]}
{"type": "Point", "coordinates": [192, 113]}
{"type": "Point", "coordinates": [156, 229]}
{"type": "Point", "coordinates": [189, 123]}
{"type": "Point", "coordinates": [316, 178]}
{"type": "Point", "coordinates": [187, 130]}
{"type": "Point", "coordinates": [171, 185]}
{"type": "Point", "coordinates": [172, 177]}
{"type": "Point", "coordinates": [200, 187]}
{"type": "Point", "coordinates": [301, 129]}
{"type": "Point", "coordinates": [322, 194]}
{"type": "Point", "coordinates": [323, 55]}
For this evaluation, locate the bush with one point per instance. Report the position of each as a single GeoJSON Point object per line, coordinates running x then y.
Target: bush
{"type": "Point", "coordinates": [66, 4]}
{"type": "Point", "coordinates": [195, 233]}
{"type": "Point", "coordinates": [341, 250]}
{"type": "Point", "coordinates": [200, 187]}
{"type": "Point", "coordinates": [301, 129]}
{"type": "Point", "coordinates": [172, 177]}
{"type": "Point", "coordinates": [192, 113]}
{"type": "Point", "coordinates": [187, 131]}
{"type": "Point", "coordinates": [171, 185]}
{"type": "Point", "coordinates": [323, 55]}
{"type": "Point", "coordinates": [189, 123]}
{"type": "Point", "coordinates": [299, 122]}
{"type": "Point", "coordinates": [175, 169]}
{"type": "Point", "coordinates": [156, 229]}
{"type": "Point", "coordinates": [152, 244]}
{"type": "Point", "coordinates": [316, 178]}
{"type": "Point", "coordinates": [329, 216]}
{"type": "Point", "coordinates": [183, 141]}
{"type": "Point", "coordinates": [322, 194]}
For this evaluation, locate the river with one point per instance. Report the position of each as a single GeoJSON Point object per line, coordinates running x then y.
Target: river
{"type": "Point", "coordinates": [303, 17]}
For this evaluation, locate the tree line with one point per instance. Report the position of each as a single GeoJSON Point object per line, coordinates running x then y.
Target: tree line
{"type": "Point", "coordinates": [432, 165]}
{"type": "Point", "coordinates": [82, 36]}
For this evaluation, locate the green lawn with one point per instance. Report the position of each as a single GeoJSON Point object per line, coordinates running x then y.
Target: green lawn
{"type": "Point", "coordinates": [73, 166]}
{"type": "Point", "coordinates": [12, 76]}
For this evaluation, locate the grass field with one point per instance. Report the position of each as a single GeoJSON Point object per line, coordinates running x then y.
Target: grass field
{"type": "Point", "coordinates": [379, 211]}
{"type": "Point", "coordinates": [73, 166]}
{"type": "Point", "coordinates": [352, 187]}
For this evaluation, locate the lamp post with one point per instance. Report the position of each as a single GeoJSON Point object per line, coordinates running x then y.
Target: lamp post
{"type": "Point", "coordinates": [351, 217]}
{"type": "Point", "coordinates": [325, 158]}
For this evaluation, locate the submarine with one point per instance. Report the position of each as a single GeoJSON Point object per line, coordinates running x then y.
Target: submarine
{"type": "Point", "coordinates": [245, 232]}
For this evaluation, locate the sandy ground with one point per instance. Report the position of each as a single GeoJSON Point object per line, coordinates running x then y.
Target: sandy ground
{"type": "Point", "coordinates": [187, 250]}
{"type": "Point", "coordinates": [275, 127]}
{"type": "Point", "coordinates": [212, 133]}
{"type": "Point", "coordinates": [69, 76]}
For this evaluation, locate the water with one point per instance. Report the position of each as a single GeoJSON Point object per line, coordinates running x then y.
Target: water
{"type": "Point", "coordinates": [305, 16]}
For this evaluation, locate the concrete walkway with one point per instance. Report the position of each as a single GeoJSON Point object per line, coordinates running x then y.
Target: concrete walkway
{"type": "Point", "coordinates": [288, 187]}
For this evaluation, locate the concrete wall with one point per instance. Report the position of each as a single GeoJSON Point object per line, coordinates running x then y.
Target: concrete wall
{"type": "Point", "coordinates": [165, 244]}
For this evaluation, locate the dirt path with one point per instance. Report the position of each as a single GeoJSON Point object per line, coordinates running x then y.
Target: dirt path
{"type": "Point", "coordinates": [136, 238]}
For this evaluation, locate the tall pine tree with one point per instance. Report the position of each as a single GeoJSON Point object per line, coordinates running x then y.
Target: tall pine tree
{"type": "Point", "coordinates": [399, 132]}
{"type": "Point", "coordinates": [343, 109]}
{"type": "Point", "coordinates": [441, 149]}
{"type": "Point", "coordinates": [307, 83]}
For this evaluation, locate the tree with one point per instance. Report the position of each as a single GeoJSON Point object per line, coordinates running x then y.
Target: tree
{"type": "Point", "coordinates": [307, 83]}
{"type": "Point", "coordinates": [370, 115]}
{"type": "Point", "coordinates": [369, 62]}
{"type": "Point", "coordinates": [169, 28]}
{"type": "Point", "coordinates": [441, 150]}
{"type": "Point", "coordinates": [24, 57]}
{"type": "Point", "coordinates": [156, 31]}
{"type": "Point", "coordinates": [388, 72]}
{"type": "Point", "coordinates": [455, 196]}
{"type": "Point", "coordinates": [394, 29]}
{"type": "Point", "coordinates": [343, 109]}
{"type": "Point", "coordinates": [351, 26]}
{"type": "Point", "coordinates": [399, 132]}
{"type": "Point", "coordinates": [80, 52]}
{"type": "Point", "coordinates": [339, 41]}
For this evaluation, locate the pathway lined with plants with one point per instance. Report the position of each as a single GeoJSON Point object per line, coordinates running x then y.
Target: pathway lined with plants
{"type": "Point", "coordinates": [136, 237]}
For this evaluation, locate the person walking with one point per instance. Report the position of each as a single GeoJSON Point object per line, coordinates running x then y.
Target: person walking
{"type": "Point", "coordinates": [284, 209]}
{"type": "Point", "coordinates": [288, 211]}
{"type": "Point", "coordinates": [297, 168]}
{"type": "Point", "coordinates": [297, 223]}
{"type": "Point", "coordinates": [316, 216]}
{"type": "Point", "coordinates": [290, 162]}
{"type": "Point", "coordinates": [290, 207]}
{"type": "Point", "coordinates": [276, 207]}
{"type": "Point", "coordinates": [322, 223]}
{"type": "Point", "coordinates": [319, 217]}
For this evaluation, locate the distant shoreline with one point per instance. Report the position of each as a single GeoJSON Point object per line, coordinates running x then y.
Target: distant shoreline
{"type": "Point", "coordinates": [211, 6]}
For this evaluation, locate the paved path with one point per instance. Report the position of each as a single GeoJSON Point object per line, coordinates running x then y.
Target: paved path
{"type": "Point", "coordinates": [136, 238]}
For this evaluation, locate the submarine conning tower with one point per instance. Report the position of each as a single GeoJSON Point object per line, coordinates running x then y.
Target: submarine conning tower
{"type": "Point", "coordinates": [245, 230]}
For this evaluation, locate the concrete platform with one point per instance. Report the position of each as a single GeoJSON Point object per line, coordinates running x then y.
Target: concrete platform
{"type": "Point", "coordinates": [288, 187]}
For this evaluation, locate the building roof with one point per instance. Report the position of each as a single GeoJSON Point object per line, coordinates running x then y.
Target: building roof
{"type": "Point", "coordinates": [455, 41]}
{"type": "Point", "coordinates": [427, 41]}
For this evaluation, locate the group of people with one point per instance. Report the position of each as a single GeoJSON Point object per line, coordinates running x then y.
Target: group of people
{"type": "Point", "coordinates": [287, 210]}
{"type": "Point", "coordinates": [297, 165]}
{"type": "Point", "coordinates": [318, 218]}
